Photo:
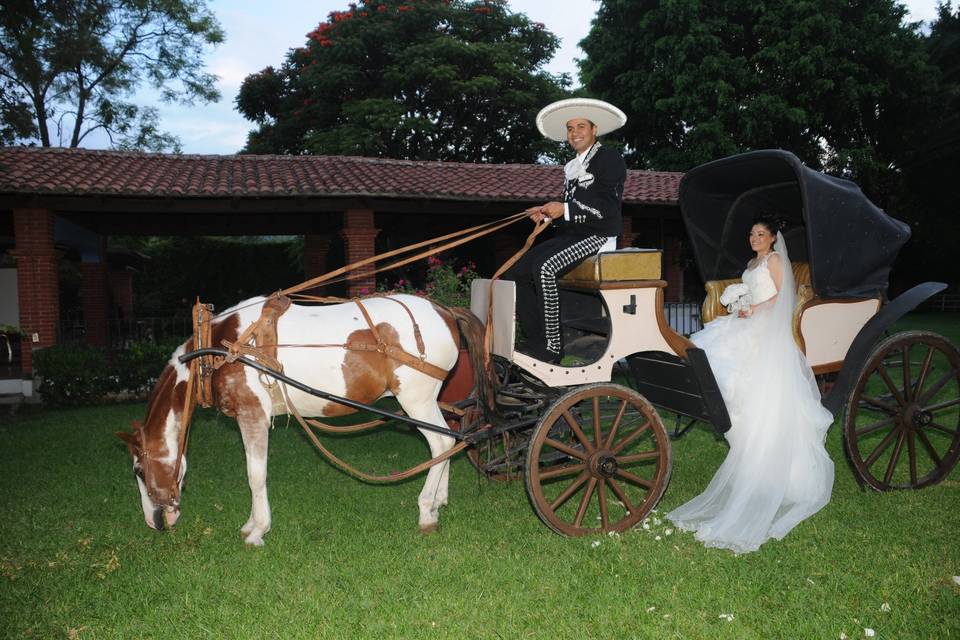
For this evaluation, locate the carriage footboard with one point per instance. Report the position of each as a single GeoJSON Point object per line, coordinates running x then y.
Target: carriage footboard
{"type": "Point", "coordinates": [682, 385]}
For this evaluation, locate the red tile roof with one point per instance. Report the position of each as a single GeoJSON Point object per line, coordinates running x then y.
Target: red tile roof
{"type": "Point", "coordinates": [55, 171]}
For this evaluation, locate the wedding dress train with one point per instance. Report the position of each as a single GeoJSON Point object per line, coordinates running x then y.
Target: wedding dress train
{"type": "Point", "coordinates": [777, 472]}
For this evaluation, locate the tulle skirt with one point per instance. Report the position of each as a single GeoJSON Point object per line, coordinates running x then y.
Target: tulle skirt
{"type": "Point", "coordinates": [777, 472]}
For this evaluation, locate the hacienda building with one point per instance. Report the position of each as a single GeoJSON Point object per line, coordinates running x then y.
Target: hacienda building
{"type": "Point", "coordinates": [63, 204]}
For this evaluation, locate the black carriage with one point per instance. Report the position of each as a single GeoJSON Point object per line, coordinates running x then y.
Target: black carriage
{"type": "Point", "coordinates": [588, 439]}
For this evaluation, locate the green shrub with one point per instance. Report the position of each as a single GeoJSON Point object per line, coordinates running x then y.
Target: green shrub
{"type": "Point", "coordinates": [444, 283]}
{"type": "Point", "coordinates": [72, 374]}
{"type": "Point", "coordinates": [80, 374]}
{"type": "Point", "coordinates": [136, 369]}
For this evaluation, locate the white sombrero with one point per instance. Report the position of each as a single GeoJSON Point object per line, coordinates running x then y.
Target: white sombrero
{"type": "Point", "coordinates": [552, 119]}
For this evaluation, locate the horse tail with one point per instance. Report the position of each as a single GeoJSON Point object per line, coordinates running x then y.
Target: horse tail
{"type": "Point", "coordinates": [472, 331]}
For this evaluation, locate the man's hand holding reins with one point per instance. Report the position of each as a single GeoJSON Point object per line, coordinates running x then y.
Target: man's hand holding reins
{"type": "Point", "coordinates": [548, 211]}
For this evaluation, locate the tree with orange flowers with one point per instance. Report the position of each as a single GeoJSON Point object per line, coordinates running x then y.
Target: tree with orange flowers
{"type": "Point", "coordinates": [414, 79]}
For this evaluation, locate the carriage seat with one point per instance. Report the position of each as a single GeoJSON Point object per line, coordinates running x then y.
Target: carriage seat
{"type": "Point", "coordinates": [801, 275]}
{"type": "Point", "coordinates": [614, 269]}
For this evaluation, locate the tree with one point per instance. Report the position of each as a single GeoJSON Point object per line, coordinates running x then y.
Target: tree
{"type": "Point", "coordinates": [932, 160]}
{"type": "Point", "coordinates": [830, 80]}
{"type": "Point", "coordinates": [416, 79]}
{"type": "Point", "coordinates": [68, 67]}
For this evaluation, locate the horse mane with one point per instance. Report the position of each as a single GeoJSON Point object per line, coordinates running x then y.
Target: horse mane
{"type": "Point", "coordinates": [472, 331]}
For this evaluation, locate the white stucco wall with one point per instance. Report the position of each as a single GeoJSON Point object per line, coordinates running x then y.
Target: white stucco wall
{"type": "Point", "coordinates": [9, 303]}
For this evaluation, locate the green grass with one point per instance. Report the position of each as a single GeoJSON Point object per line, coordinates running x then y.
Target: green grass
{"type": "Point", "coordinates": [345, 561]}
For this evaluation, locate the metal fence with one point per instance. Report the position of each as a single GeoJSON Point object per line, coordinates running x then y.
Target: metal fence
{"type": "Point", "coordinates": [123, 333]}
{"type": "Point", "coordinates": [942, 302]}
{"type": "Point", "coordinates": [684, 317]}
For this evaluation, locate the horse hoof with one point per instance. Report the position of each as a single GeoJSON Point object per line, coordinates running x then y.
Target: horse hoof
{"type": "Point", "coordinates": [427, 529]}
{"type": "Point", "coordinates": [254, 541]}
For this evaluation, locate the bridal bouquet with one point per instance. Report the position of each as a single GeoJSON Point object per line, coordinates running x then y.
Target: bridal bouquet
{"type": "Point", "coordinates": [736, 297]}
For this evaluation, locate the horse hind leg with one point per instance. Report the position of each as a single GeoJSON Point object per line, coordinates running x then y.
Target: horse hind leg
{"type": "Point", "coordinates": [255, 433]}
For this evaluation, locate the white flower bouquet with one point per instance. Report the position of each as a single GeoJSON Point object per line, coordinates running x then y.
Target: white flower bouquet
{"type": "Point", "coordinates": [736, 297]}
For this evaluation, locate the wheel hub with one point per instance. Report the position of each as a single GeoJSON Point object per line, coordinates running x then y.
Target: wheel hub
{"type": "Point", "coordinates": [921, 418]}
{"type": "Point", "coordinates": [915, 417]}
{"type": "Point", "coordinates": [603, 463]}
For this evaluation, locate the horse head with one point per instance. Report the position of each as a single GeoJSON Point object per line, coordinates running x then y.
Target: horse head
{"type": "Point", "coordinates": [158, 464]}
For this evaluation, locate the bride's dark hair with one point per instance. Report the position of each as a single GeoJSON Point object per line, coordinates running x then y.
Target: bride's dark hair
{"type": "Point", "coordinates": [771, 221]}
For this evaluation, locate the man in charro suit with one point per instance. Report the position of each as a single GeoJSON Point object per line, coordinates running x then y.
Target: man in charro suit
{"type": "Point", "coordinates": [586, 222]}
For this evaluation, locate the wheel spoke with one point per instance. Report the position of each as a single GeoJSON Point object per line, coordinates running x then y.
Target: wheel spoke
{"type": "Point", "coordinates": [939, 385]}
{"type": "Point", "coordinates": [616, 423]}
{"type": "Point", "coordinates": [569, 491]}
{"type": "Point", "coordinates": [575, 427]}
{"type": "Point", "coordinates": [630, 438]}
{"type": "Point", "coordinates": [876, 426]}
{"type": "Point", "coordinates": [602, 497]}
{"type": "Point", "coordinates": [621, 496]}
{"type": "Point", "coordinates": [559, 472]}
{"type": "Point", "coordinates": [585, 502]}
{"type": "Point", "coordinates": [924, 370]}
{"type": "Point", "coordinates": [886, 442]}
{"type": "Point", "coordinates": [563, 448]}
{"type": "Point", "coordinates": [929, 447]}
{"type": "Point", "coordinates": [637, 457]}
{"type": "Point", "coordinates": [597, 436]}
{"type": "Point", "coordinates": [894, 457]}
{"type": "Point", "coordinates": [635, 479]}
{"type": "Point", "coordinates": [939, 427]}
{"type": "Point", "coordinates": [905, 350]}
{"type": "Point", "coordinates": [942, 405]}
{"type": "Point", "coordinates": [882, 370]}
{"type": "Point", "coordinates": [891, 410]}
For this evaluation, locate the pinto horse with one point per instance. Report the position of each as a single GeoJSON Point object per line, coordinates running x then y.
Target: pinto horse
{"type": "Point", "coordinates": [360, 375]}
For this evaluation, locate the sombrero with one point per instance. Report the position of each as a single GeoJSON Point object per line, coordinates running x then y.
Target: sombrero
{"type": "Point", "coordinates": [552, 119]}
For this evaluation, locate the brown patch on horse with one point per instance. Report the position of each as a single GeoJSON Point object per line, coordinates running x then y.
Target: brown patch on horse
{"type": "Point", "coordinates": [367, 374]}
{"type": "Point", "coordinates": [233, 396]}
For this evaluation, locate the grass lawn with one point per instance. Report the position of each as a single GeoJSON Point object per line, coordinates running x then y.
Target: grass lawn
{"type": "Point", "coordinates": [345, 560]}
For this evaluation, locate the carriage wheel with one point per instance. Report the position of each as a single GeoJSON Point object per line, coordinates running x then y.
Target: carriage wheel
{"type": "Point", "coordinates": [598, 461]}
{"type": "Point", "coordinates": [901, 425]}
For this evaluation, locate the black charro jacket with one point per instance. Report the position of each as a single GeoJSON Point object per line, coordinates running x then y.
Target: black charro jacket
{"type": "Point", "coordinates": [594, 199]}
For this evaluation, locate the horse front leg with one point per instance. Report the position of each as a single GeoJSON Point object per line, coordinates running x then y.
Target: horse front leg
{"type": "Point", "coordinates": [255, 433]}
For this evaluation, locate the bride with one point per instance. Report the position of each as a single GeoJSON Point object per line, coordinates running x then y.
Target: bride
{"type": "Point", "coordinates": [777, 472]}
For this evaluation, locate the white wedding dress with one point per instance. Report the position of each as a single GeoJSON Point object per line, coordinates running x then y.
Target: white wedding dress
{"type": "Point", "coordinates": [777, 472]}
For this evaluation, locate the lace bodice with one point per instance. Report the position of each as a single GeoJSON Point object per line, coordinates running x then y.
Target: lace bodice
{"type": "Point", "coordinates": [760, 282]}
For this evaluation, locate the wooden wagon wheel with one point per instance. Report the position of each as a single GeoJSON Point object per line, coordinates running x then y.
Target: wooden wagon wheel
{"type": "Point", "coordinates": [598, 461]}
{"type": "Point", "coordinates": [906, 400]}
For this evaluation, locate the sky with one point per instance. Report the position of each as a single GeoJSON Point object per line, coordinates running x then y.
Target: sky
{"type": "Point", "coordinates": [259, 33]}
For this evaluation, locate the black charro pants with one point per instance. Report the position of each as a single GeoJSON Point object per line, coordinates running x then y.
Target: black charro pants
{"type": "Point", "coordinates": [538, 300]}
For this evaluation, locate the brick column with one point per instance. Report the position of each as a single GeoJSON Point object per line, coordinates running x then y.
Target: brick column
{"type": "Point", "coordinates": [315, 250]}
{"type": "Point", "coordinates": [38, 282]}
{"type": "Point", "coordinates": [358, 236]}
{"type": "Point", "coordinates": [674, 274]}
{"type": "Point", "coordinates": [628, 236]}
{"type": "Point", "coordinates": [94, 298]}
